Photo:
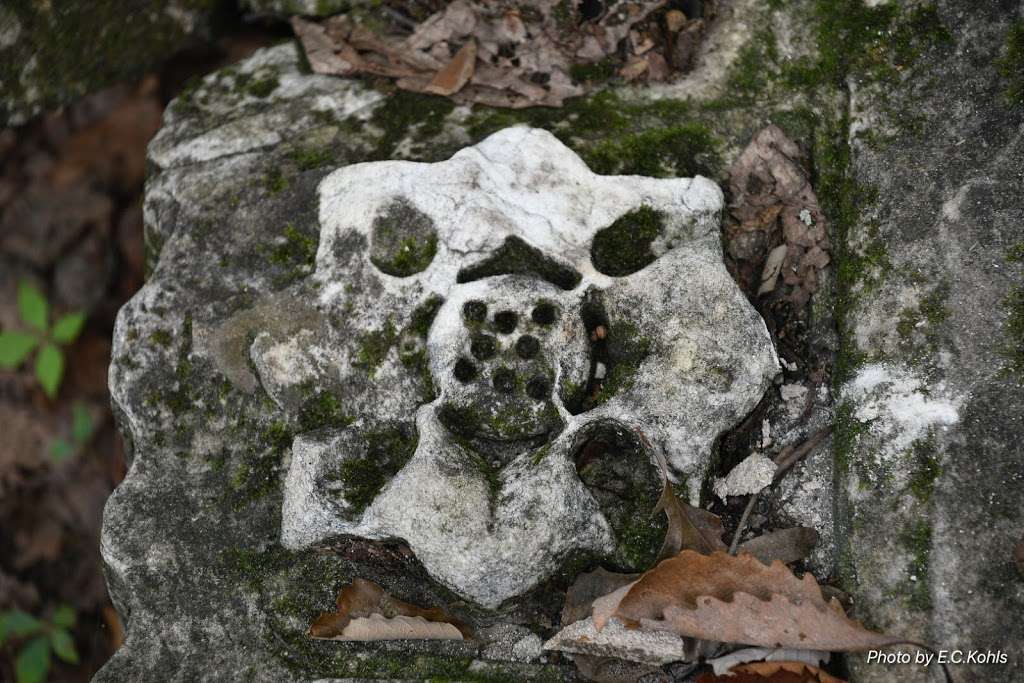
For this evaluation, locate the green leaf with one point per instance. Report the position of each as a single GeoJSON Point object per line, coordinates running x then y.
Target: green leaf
{"type": "Point", "coordinates": [61, 450]}
{"type": "Point", "coordinates": [81, 424]}
{"type": "Point", "coordinates": [33, 306]}
{"type": "Point", "coordinates": [64, 645]}
{"type": "Point", "coordinates": [14, 348]}
{"type": "Point", "coordinates": [50, 369]}
{"type": "Point", "coordinates": [18, 624]}
{"type": "Point", "coordinates": [66, 329]}
{"type": "Point", "coordinates": [63, 616]}
{"type": "Point", "coordinates": [33, 661]}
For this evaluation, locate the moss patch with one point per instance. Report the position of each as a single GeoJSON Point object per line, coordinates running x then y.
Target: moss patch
{"type": "Point", "coordinates": [624, 247]}
{"type": "Point", "coordinates": [294, 257]}
{"type": "Point", "coordinates": [386, 451]}
{"type": "Point", "coordinates": [374, 347]}
{"type": "Point", "coordinates": [926, 469]}
{"type": "Point", "coordinates": [404, 240]}
{"type": "Point", "coordinates": [679, 151]}
{"type": "Point", "coordinates": [403, 112]}
{"type": "Point", "coordinates": [917, 538]}
{"type": "Point", "coordinates": [321, 409]}
{"type": "Point", "coordinates": [1013, 349]}
{"type": "Point", "coordinates": [1011, 64]}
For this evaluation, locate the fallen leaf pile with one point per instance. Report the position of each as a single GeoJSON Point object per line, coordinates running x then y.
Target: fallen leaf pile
{"type": "Point", "coordinates": [525, 54]}
{"type": "Point", "coordinates": [367, 612]}
{"type": "Point", "coordinates": [775, 227]}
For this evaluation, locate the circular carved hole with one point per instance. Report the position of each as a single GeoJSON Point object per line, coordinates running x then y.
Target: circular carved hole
{"type": "Point", "coordinates": [483, 346]}
{"type": "Point", "coordinates": [506, 321]}
{"type": "Point", "coordinates": [504, 380]}
{"type": "Point", "coordinates": [538, 388]}
{"type": "Point", "coordinates": [544, 313]}
{"type": "Point", "coordinates": [474, 311]}
{"type": "Point", "coordinates": [527, 346]}
{"type": "Point", "coordinates": [465, 371]}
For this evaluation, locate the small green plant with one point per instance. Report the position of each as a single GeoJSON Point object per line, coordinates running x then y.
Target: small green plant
{"type": "Point", "coordinates": [82, 429]}
{"type": "Point", "coordinates": [15, 347]}
{"type": "Point", "coordinates": [40, 639]}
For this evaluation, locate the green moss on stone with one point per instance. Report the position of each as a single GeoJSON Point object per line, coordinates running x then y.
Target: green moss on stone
{"type": "Point", "coordinates": [423, 316]}
{"type": "Point", "coordinates": [374, 346]}
{"type": "Point", "coordinates": [917, 538]}
{"type": "Point", "coordinates": [404, 240]}
{"type": "Point", "coordinates": [309, 158]}
{"type": "Point", "coordinates": [161, 337]}
{"type": "Point", "coordinates": [624, 247]}
{"type": "Point", "coordinates": [846, 433]}
{"type": "Point", "coordinates": [596, 72]}
{"type": "Point", "coordinates": [403, 111]}
{"type": "Point", "coordinates": [627, 350]}
{"type": "Point", "coordinates": [926, 468]}
{"type": "Point", "coordinates": [321, 409]}
{"type": "Point", "coordinates": [1014, 329]}
{"type": "Point", "coordinates": [262, 87]}
{"type": "Point", "coordinates": [682, 150]}
{"type": "Point", "coordinates": [387, 451]}
{"type": "Point", "coordinates": [274, 181]}
{"type": "Point", "coordinates": [258, 474]}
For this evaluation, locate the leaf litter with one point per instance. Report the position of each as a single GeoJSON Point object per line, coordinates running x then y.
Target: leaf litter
{"type": "Point", "coordinates": [514, 55]}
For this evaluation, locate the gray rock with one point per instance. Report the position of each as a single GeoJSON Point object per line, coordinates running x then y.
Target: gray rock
{"type": "Point", "coordinates": [291, 408]}
{"type": "Point", "coordinates": [615, 640]}
{"type": "Point", "coordinates": [930, 461]}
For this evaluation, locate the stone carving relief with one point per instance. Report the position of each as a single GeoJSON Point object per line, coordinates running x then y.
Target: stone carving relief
{"type": "Point", "coordinates": [484, 319]}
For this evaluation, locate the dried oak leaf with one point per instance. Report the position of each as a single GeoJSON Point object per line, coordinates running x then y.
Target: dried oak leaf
{"type": "Point", "coordinates": [771, 672]}
{"type": "Point", "coordinates": [689, 527]}
{"type": "Point", "coordinates": [738, 600]}
{"type": "Point", "coordinates": [367, 612]}
{"type": "Point", "coordinates": [453, 77]}
{"type": "Point", "coordinates": [587, 587]}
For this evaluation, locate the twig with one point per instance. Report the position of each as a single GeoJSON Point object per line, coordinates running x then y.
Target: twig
{"type": "Point", "coordinates": [785, 460]}
{"type": "Point", "coordinates": [743, 522]}
{"type": "Point", "coordinates": [790, 456]}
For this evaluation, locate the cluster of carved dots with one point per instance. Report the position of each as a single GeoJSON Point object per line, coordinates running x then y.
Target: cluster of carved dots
{"type": "Point", "coordinates": [484, 347]}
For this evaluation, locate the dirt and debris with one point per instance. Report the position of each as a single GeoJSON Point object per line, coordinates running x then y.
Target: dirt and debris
{"type": "Point", "coordinates": [536, 53]}
{"type": "Point", "coordinates": [775, 228]}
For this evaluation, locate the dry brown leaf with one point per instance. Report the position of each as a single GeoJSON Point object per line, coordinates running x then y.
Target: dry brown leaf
{"type": "Point", "coordinates": [689, 527]}
{"type": "Point", "coordinates": [739, 600]}
{"type": "Point", "coordinates": [771, 672]}
{"type": "Point", "coordinates": [454, 76]}
{"type": "Point", "coordinates": [579, 599]}
{"type": "Point", "coordinates": [784, 545]}
{"type": "Point", "coordinates": [377, 627]}
{"type": "Point", "coordinates": [364, 599]}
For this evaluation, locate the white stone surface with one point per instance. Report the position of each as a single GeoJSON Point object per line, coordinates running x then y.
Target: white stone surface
{"type": "Point", "coordinates": [710, 357]}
